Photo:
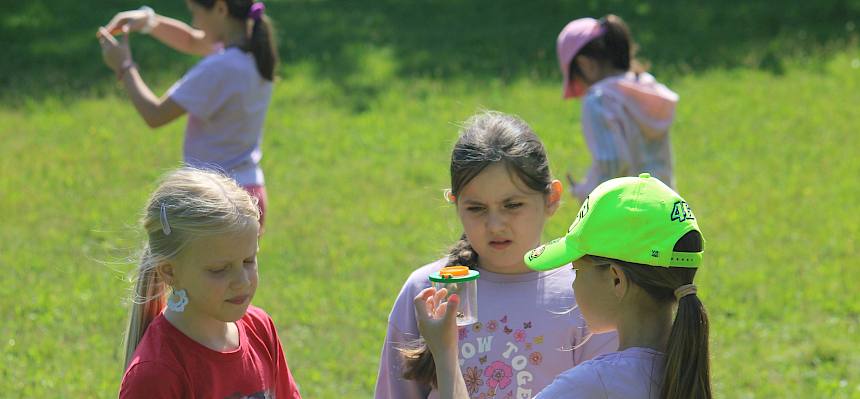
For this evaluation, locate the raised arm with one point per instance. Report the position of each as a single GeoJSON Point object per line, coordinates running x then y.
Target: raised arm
{"type": "Point", "coordinates": [438, 326]}
{"type": "Point", "coordinates": [174, 33]}
{"type": "Point", "coordinates": [155, 111]}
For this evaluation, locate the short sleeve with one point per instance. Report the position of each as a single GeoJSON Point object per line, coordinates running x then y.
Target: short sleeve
{"type": "Point", "coordinates": [204, 89]}
{"type": "Point", "coordinates": [581, 382]}
{"type": "Point", "coordinates": [285, 385]}
{"type": "Point", "coordinates": [152, 380]}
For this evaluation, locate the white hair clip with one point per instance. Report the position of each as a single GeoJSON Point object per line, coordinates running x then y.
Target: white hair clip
{"type": "Point", "coordinates": [165, 227]}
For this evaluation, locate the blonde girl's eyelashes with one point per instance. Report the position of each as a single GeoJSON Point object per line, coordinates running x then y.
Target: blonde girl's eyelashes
{"type": "Point", "coordinates": [219, 270]}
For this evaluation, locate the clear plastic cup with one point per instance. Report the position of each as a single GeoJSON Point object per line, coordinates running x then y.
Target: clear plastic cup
{"type": "Point", "coordinates": [462, 281]}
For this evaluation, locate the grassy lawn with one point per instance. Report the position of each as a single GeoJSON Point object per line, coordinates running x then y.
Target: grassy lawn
{"type": "Point", "coordinates": [357, 146]}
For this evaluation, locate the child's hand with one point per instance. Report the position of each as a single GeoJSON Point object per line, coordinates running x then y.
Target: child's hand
{"type": "Point", "coordinates": [437, 321]}
{"type": "Point", "coordinates": [133, 21]}
{"type": "Point", "coordinates": [115, 53]}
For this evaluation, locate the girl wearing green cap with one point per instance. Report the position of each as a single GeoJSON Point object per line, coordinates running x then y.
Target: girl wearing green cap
{"type": "Point", "coordinates": [636, 247]}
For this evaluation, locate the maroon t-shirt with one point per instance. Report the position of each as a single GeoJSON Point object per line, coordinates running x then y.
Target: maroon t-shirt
{"type": "Point", "coordinates": [169, 364]}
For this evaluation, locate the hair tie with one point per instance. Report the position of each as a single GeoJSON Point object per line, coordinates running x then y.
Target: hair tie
{"type": "Point", "coordinates": [165, 227]}
{"type": "Point", "coordinates": [256, 11]}
{"type": "Point", "coordinates": [684, 290]}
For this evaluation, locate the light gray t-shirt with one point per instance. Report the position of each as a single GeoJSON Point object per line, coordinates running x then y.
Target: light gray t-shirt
{"type": "Point", "coordinates": [226, 100]}
{"type": "Point", "coordinates": [522, 340]}
{"type": "Point", "coordinates": [634, 373]}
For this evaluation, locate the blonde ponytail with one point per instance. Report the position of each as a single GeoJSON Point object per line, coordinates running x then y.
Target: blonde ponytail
{"type": "Point", "coordinates": [148, 300]}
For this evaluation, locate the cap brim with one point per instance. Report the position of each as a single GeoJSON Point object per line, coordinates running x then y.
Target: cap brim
{"type": "Point", "coordinates": [551, 255]}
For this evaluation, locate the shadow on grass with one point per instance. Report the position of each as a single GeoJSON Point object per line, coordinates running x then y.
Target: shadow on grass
{"type": "Point", "coordinates": [51, 48]}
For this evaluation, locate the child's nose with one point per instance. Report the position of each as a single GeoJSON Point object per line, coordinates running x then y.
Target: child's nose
{"type": "Point", "coordinates": [495, 222]}
{"type": "Point", "coordinates": [243, 278]}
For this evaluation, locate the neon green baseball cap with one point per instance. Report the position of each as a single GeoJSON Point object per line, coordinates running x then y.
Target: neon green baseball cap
{"type": "Point", "coordinates": [633, 219]}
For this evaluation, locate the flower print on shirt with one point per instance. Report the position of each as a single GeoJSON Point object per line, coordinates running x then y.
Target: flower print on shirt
{"type": "Point", "coordinates": [473, 379]}
{"type": "Point", "coordinates": [499, 357]}
{"type": "Point", "coordinates": [490, 394]}
{"type": "Point", "coordinates": [498, 375]}
{"type": "Point", "coordinates": [520, 336]}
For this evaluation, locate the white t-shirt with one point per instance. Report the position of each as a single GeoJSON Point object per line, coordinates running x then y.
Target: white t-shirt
{"type": "Point", "coordinates": [226, 100]}
{"type": "Point", "coordinates": [634, 373]}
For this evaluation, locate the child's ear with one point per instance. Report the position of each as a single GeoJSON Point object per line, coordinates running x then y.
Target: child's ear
{"type": "Point", "coordinates": [620, 284]}
{"type": "Point", "coordinates": [167, 272]}
{"type": "Point", "coordinates": [553, 198]}
{"type": "Point", "coordinates": [588, 68]}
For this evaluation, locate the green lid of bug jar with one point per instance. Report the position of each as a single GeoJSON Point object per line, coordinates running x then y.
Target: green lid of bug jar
{"type": "Point", "coordinates": [462, 281]}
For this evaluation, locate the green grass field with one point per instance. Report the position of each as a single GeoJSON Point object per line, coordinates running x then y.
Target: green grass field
{"type": "Point", "coordinates": [356, 155]}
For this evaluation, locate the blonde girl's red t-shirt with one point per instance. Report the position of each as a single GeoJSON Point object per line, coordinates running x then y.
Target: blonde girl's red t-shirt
{"type": "Point", "coordinates": [169, 364]}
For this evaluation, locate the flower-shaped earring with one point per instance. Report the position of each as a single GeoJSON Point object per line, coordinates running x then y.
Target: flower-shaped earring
{"type": "Point", "coordinates": [177, 300]}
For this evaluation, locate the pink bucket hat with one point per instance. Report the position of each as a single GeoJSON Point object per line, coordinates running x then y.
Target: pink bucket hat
{"type": "Point", "coordinates": [573, 37]}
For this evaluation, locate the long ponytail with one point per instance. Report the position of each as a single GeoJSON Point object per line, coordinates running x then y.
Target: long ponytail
{"type": "Point", "coordinates": [262, 45]}
{"type": "Point", "coordinates": [687, 357]}
{"type": "Point", "coordinates": [148, 300]}
{"type": "Point", "coordinates": [687, 374]}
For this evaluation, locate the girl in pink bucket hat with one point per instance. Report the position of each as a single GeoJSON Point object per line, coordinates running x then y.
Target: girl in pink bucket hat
{"type": "Point", "coordinates": [626, 113]}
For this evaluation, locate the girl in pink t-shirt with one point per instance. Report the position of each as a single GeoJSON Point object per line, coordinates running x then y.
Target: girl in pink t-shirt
{"type": "Point", "coordinates": [226, 95]}
{"type": "Point", "coordinates": [527, 325]}
{"type": "Point", "coordinates": [204, 339]}
{"type": "Point", "coordinates": [635, 246]}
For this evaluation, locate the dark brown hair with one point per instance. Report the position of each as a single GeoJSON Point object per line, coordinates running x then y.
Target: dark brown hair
{"type": "Point", "coordinates": [262, 41]}
{"type": "Point", "coordinates": [485, 139]}
{"type": "Point", "coordinates": [687, 373]}
{"type": "Point", "coordinates": [615, 48]}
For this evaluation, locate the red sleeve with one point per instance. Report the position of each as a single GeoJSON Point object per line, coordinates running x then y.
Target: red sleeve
{"type": "Point", "coordinates": [151, 380]}
{"type": "Point", "coordinates": [285, 385]}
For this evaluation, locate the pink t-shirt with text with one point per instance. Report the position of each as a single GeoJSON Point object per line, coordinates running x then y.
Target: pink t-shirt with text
{"type": "Point", "coordinates": [527, 325]}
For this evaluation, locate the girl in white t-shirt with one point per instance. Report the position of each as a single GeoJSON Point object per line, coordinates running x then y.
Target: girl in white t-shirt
{"type": "Point", "coordinates": [225, 95]}
{"type": "Point", "coordinates": [635, 246]}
